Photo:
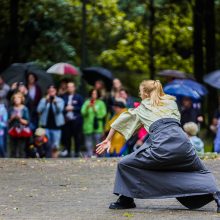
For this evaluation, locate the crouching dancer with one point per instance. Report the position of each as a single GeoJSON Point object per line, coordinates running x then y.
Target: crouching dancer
{"type": "Point", "coordinates": [166, 165]}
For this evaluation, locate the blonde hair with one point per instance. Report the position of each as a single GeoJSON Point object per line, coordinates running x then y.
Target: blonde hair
{"type": "Point", "coordinates": [20, 95]}
{"type": "Point", "coordinates": [154, 90]}
{"type": "Point", "coordinates": [191, 128]}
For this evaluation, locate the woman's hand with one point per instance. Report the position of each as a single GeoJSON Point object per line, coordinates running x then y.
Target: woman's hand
{"type": "Point", "coordinates": [103, 146]}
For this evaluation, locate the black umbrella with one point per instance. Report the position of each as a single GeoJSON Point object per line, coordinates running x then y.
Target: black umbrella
{"type": "Point", "coordinates": [17, 72]}
{"type": "Point", "coordinates": [92, 74]}
{"type": "Point", "coordinates": [173, 73]}
{"type": "Point", "coordinates": [213, 79]}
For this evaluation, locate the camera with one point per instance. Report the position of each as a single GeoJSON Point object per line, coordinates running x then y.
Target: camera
{"type": "Point", "coordinates": [51, 98]}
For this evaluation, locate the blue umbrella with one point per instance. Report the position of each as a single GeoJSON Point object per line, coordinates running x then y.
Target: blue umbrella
{"type": "Point", "coordinates": [213, 79]}
{"type": "Point", "coordinates": [199, 88]}
{"type": "Point", "coordinates": [181, 90]}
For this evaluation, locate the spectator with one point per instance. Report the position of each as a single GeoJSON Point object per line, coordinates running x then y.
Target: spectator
{"type": "Point", "coordinates": [192, 129]}
{"type": "Point", "coordinates": [188, 113]}
{"type": "Point", "coordinates": [4, 89]}
{"type": "Point", "coordinates": [51, 109]}
{"type": "Point", "coordinates": [18, 120]}
{"type": "Point", "coordinates": [93, 112]}
{"type": "Point", "coordinates": [3, 125]}
{"type": "Point", "coordinates": [19, 87]}
{"type": "Point", "coordinates": [117, 86]}
{"type": "Point", "coordinates": [215, 127]}
{"type": "Point", "coordinates": [118, 140]}
{"type": "Point", "coordinates": [34, 95]}
{"type": "Point", "coordinates": [39, 148]}
{"type": "Point", "coordinates": [62, 90]}
{"type": "Point", "coordinates": [100, 87]}
{"type": "Point", "coordinates": [73, 126]}
{"type": "Point", "coordinates": [123, 93]}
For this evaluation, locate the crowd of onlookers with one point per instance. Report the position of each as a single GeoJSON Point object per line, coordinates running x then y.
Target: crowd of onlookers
{"type": "Point", "coordinates": [63, 123]}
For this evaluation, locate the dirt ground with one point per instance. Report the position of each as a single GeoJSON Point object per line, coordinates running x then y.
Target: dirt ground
{"type": "Point", "coordinates": [80, 189]}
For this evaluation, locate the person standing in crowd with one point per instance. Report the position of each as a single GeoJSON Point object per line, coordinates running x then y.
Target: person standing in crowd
{"type": "Point", "coordinates": [188, 113]}
{"type": "Point", "coordinates": [19, 87]}
{"type": "Point", "coordinates": [118, 140]}
{"type": "Point", "coordinates": [166, 165]}
{"type": "Point", "coordinates": [73, 118]}
{"type": "Point", "coordinates": [93, 112]}
{"type": "Point", "coordinates": [215, 128]}
{"type": "Point", "coordinates": [123, 93]}
{"type": "Point", "coordinates": [51, 109]}
{"type": "Point", "coordinates": [192, 129]}
{"type": "Point", "coordinates": [18, 119]}
{"type": "Point", "coordinates": [4, 89]}
{"type": "Point", "coordinates": [62, 90]}
{"type": "Point", "coordinates": [3, 125]}
{"type": "Point", "coordinates": [34, 95]}
{"type": "Point", "coordinates": [101, 88]}
{"type": "Point", "coordinates": [116, 87]}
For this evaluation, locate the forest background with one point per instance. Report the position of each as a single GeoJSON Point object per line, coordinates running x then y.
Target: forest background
{"type": "Point", "coordinates": [135, 39]}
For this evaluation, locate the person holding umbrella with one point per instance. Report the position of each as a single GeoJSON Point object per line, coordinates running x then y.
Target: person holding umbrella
{"type": "Point", "coordinates": [34, 95]}
{"type": "Point", "coordinates": [166, 165]}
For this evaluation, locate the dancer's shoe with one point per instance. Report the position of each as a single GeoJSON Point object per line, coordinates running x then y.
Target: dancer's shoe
{"type": "Point", "coordinates": [216, 196]}
{"type": "Point", "coordinates": [123, 202]}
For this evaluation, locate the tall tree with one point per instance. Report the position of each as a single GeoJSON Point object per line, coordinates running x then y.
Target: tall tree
{"type": "Point", "coordinates": [151, 39]}
{"type": "Point", "coordinates": [9, 43]}
{"type": "Point", "coordinates": [210, 51]}
{"type": "Point", "coordinates": [198, 34]}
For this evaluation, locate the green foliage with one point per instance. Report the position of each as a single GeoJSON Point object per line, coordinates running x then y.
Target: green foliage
{"type": "Point", "coordinates": [117, 34]}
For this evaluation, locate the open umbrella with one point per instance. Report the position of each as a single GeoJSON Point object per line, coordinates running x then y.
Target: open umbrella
{"type": "Point", "coordinates": [63, 69]}
{"type": "Point", "coordinates": [173, 73]}
{"type": "Point", "coordinates": [213, 79]}
{"type": "Point", "coordinates": [181, 90]}
{"type": "Point", "coordinates": [199, 88]}
{"type": "Point", "coordinates": [92, 74]}
{"type": "Point", "coordinates": [17, 73]}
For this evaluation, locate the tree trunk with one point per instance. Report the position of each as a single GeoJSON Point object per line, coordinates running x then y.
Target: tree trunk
{"type": "Point", "coordinates": [210, 52]}
{"type": "Point", "coordinates": [10, 54]}
{"type": "Point", "coordinates": [151, 39]}
{"type": "Point", "coordinates": [198, 39]}
{"type": "Point", "coordinates": [83, 37]}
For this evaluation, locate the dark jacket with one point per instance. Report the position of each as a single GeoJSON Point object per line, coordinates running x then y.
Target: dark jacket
{"type": "Point", "coordinates": [77, 102]}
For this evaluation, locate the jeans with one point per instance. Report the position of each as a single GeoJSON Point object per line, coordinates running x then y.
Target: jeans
{"type": "Point", "coordinates": [217, 141]}
{"type": "Point", "coordinates": [90, 141]}
{"type": "Point", "coordinates": [54, 136]}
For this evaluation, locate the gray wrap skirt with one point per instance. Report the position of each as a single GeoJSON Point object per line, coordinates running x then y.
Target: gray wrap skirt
{"type": "Point", "coordinates": [165, 166]}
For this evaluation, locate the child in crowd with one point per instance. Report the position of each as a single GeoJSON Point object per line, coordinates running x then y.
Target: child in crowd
{"type": "Point", "coordinates": [40, 147]}
{"type": "Point", "coordinates": [192, 129]}
{"type": "Point", "coordinates": [18, 122]}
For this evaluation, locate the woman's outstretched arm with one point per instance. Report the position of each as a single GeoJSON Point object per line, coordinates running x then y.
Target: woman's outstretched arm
{"type": "Point", "coordinates": [106, 144]}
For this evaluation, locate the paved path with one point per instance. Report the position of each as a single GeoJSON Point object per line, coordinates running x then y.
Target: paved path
{"type": "Point", "coordinates": [79, 189]}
